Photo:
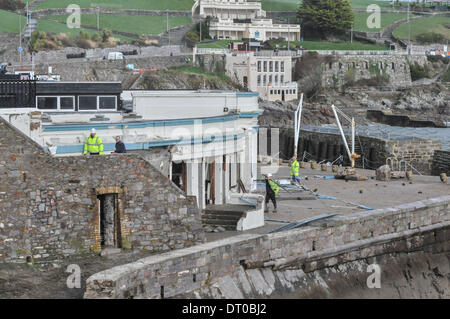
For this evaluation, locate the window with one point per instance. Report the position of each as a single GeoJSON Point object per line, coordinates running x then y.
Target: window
{"type": "Point", "coordinates": [66, 103]}
{"type": "Point", "coordinates": [276, 66]}
{"type": "Point", "coordinates": [271, 91]}
{"type": "Point", "coordinates": [47, 102]}
{"type": "Point", "coordinates": [282, 66]}
{"type": "Point", "coordinates": [265, 66]}
{"type": "Point", "coordinates": [87, 103]}
{"type": "Point", "coordinates": [270, 79]}
{"type": "Point", "coordinates": [94, 103]}
{"type": "Point", "coordinates": [55, 102]}
{"type": "Point", "coordinates": [281, 78]}
{"type": "Point", "coordinates": [264, 80]}
{"type": "Point", "coordinates": [271, 66]}
{"type": "Point", "coordinates": [259, 80]}
{"type": "Point", "coordinates": [276, 79]}
{"type": "Point", "coordinates": [259, 66]}
{"type": "Point", "coordinates": [107, 102]}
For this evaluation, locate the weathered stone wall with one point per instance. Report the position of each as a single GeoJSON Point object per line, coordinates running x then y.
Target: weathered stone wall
{"type": "Point", "coordinates": [441, 162]}
{"type": "Point", "coordinates": [214, 63]}
{"type": "Point", "coordinates": [418, 153]}
{"type": "Point", "coordinates": [354, 68]}
{"type": "Point", "coordinates": [105, 70]}
{"type": "Point", "coordinates": [374, 151]}
{"type": "Point", "coordinates": [49, 207]}
{"type": "Point", "coordinates": [219, 266]}
{"type": "Point", "coordinates": [328, 146]}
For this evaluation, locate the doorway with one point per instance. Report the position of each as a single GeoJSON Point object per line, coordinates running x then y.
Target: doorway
{"type": "Point", "coordinates": [109, 221]}
{"type": "Point", "coordinates": [179, 176]}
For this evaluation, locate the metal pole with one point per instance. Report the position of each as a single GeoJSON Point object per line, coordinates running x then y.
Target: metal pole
{"type": "Point", "coordinates": [20, 39]}
{"type": "Point", "coordinates": [353, 135]}
{"type": "Point", "coordinates": [351, 34]}
{"type": "Point", "coordinates": [409, 33]}
{"type": "Point", "coordinates": [297, 121]}
{"type": "Point", "coordinates": [168, 31]}
{"type": "Point", "coordinates": [289, 47]}
{"type": "Point", "coordinates": [98, 18]}
{"type": "Point", "coordinates": [342, 132]}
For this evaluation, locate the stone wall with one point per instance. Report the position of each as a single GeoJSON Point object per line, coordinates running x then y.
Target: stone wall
{"type": "Point", "coordinates": [329, 146]}
{"type": "Point", "coordinates": [104, 70]}
{"type": "Point", "coordinates": [418, 153]}
{"type": "Point", "coordinates": [213, 63]}
{"type": "Point", "coordinates": [49, 207]}
{"type": "Point", "coordinates": [245, 265]}
{"type": "Point", "coordinates": [354, 68]}
{"type": "Point", "coordinates": [441, 162]}
{"type": "Point", "coordinates": [374, 151]}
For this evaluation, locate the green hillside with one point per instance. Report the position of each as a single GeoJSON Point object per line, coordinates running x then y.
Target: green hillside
{"type": "Point", "coordinates": [268, 5]}
{"type": "Point", "coordinates": [9, 22]}
{"type": "Point", "coordinates": [121, 4]}
{"type": "Point", "coordinates": [439, 25]}
{"type": "Point", "coordinates": [129, 24]}
{"type": "Point", "coordinates": [386, 19]}
{"type": "Point", "coordinates": [55, 27]}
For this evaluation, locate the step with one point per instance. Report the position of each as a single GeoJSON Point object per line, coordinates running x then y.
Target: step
{"type": "Point", "coordinates": [219, 222]}
{"type": "Point", "coordinates": [221, 217]}
{"type": "Point", "coordinates": [235, 213]}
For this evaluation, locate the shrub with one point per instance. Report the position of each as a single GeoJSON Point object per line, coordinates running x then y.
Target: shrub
{"type": "Point", "coordinates": [436, 58]}
{"type": "Point", "coordinates": [96, 37]}
{"type": "Point", "coordinates": [84, 35]}
{"type": "Point", "coordinates": [84, 43]}
{"type": "Point", "coordinates": [11, 5]}
{"type": "Point", "coordinates": [418, 72]}
{"type": "Point", "coordinates": [430, 37]}
{"type": "Point", "coordinates": [106, 34]}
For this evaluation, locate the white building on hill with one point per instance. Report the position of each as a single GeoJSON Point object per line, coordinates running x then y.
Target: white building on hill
{"type": "Point", "coordinates": [238, 19]}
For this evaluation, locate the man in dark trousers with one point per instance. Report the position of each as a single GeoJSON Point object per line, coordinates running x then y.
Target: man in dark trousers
{"type": "Point", "coordinates": [271, 191]}
{"type": "Point", "coordinates": [120, 146]}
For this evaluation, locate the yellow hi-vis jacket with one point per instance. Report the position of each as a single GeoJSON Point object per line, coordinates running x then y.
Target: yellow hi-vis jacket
{"type": "Point", "coordinates": [294, 168]}
{"type": "Point", "coordinates": [274, 186]}
{"type": "Point", "coordinates": [93, 145]}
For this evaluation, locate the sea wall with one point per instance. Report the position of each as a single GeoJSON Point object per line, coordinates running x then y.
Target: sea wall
{"type": "Point", "coordinates": [243, 266]}
{"type": "Point", "coordinates": [441, 162]}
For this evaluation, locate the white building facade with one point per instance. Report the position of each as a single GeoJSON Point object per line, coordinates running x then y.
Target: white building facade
{"type": "Point", "coordinates": [207, 138]}
{"type": "Point", "coordinates": [238, 19]}
{"type": "Point", "coordinates": [266, 72]}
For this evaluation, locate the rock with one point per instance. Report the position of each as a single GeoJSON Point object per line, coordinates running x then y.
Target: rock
{"type": "Point", "coordinates": [220, 229]}
{"type": "Point", "coordinates": [323, 167]}
{"type": "Point", "coordinates": [383, 173]}
{"type": "Point", "coordinates": [444, 178]}
{"type": "Point", "coordinates": [398, 175]}
{"type": "Point", "coordinates": [208, 229]}
{"type": "Point", "coordinates": [313, 165]}
{"type": "Point", "coordinates": [335, 168]}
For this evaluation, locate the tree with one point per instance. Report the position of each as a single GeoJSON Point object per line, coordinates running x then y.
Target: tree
{"type": "Point", "coordinates": [326, 17]}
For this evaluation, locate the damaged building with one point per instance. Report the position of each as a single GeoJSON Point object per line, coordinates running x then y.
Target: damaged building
{"type": "Point", "coordinates": [55, 207]}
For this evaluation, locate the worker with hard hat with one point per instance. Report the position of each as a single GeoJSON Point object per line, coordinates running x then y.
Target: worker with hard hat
{"type": "Point", "coordinates": [93, 144]}
{"type": "Point", "coordinates": [271, 191]}
{"type": "Point", "coordinates": [295, 166]}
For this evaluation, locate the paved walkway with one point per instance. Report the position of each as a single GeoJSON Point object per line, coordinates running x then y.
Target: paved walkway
{"type": "Point", "coordinates": [371, 193]}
